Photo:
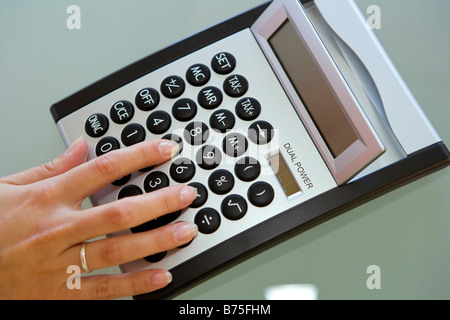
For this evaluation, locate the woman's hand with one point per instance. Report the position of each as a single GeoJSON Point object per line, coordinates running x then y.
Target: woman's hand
{"type": "Point", "coordinates": [42, 225]}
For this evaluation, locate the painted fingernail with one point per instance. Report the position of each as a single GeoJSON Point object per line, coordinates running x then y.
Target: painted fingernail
{"type": "Point", "coordinates": [161, 278]}
{"type": "Point", "coordinates": [74, 145]}
{"type": "Point", "coordinates": [185, 231]}
{"type": "Point", "coordinates": [188, 194]}
{"type": "Point", "coordinates": [168, 148]}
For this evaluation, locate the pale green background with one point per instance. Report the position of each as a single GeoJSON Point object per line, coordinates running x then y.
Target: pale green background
{"type": "Point", "coordinates": [406, 232]}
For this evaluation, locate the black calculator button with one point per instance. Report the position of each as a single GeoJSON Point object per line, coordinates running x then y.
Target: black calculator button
{"type": "Point", "coordinates": [210, 97]}
{"type": "Point", "coordinates": [132, 134]}
{"type": "Point", "coordinates": [235, 144]}
{"type": "Point", "coordinates": [207, 220]}
{"type": "Point", "coordinates": [96, 125]}
{"type": "Point", "coordinates": [157, 222]}
{"type": "Point", "coordinates": [208, 157]}
{"type": "Point", "coordinates": [261, 132]}
{"type": "Point", "coordinates": [248, 109]}
{"type": "Point", "coordinates": [121, 112]}
{"type": "Point", "coordinates": [202, 195]}
{"type": "Point", "coordinates": [172, 87]}
{"type": "Point", "coordinates": [122, 181]}
{"type": "Point", "coordinates": [184, 109]}
{"type": "Point", "coordinates": [196, 133]}
{"type": "Point", "coordinates": [156, 257]}
{"type": "Point", "coordinates": [234, 207]}
{"type": "Point", "coordinates": [155, 180]}
{"type": "Point", "coordinates": [129, 191]}
{"type": "Point", "coordinates": [260, 194]}
{"type": "Point", "coordinates": [223, 63]}
{"type": "Point", "coordinates": [221, 181]}
{"type": "Point", "coordinates": [106, 145]}
{"type": "Point", "coordinates": [173, 137]}
{"type": "Point", "coordinates": [147, 99]}
{"type": "Point", "coordinates": [235, 85]}
{"type": "Point", "coordinates": [146, 169]}
{"type": "Point", "coordinates": [182, 170]}
{"type": "Point", "coordinates": [222, 120]}
{"type": "Point", "coordinates": [158, 122]}
{"type": "Point", "coordinates": [198, 74]}
{"type": "Point", "coordinates": [247, 169]}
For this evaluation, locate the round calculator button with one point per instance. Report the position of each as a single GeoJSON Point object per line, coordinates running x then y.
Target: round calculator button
{"type": "Point", "coordinates": [182, 170]}
{"type": "Point", "coordinates": [157, 222]}
{"type": "Point", "coordinates": [261, 132]}
{"type": "Point", "coordinates": [260, 194]}
{"type": "Point", "coordinates": [106, 145]}
{"type": "Point", "coordinates": [235, 144]}
{"type": "Point", "coordinates": [221, 181]}
{"type": "Point", "coordinates": [202, 195]}
{"type": "Point", "coordinates": [210, 97]}
{"type": "Point", "coordinates": [155, 257]}
{"type": "Point", "coordinates": [196, 133]}
{"type": "Point", "coordinates": [173, 137]}
{"type": "Point", "coordinates": [121, 112]}
{"type": "Point", "coordinates": [208, 157]}
{"type": "Point", "coordinates": [235, 85]}
{"type": "Point", "coordinates": [234, 207]}
{"type": "Point", "coordinates": [96, 125]}
{"type": "Point", "coordinates": [158, 122]}
{"type": "Point", "coordinates": [129, 191]}
{"type": "Point", "coordinates": [223, 63]}
{"type": "Point", "coordinates": [247, 169]}
{"type": "Point", "coordinates": [222, 120]}
{"type": "Point", "coordinates": [207, 220]}
{"type": "Point", "coordinates": [122, 181]}
{"type": "Point", "coordinates": [132, 134]}
{"type": "Point", "coordinates": [146, 169]}
{"type": "Point", "coordinates": [198, 74]}
{"type": "Point", "coordinates": [147, 99]}
{"type": "Point", "coordinates": [155, 180]}
{"type": "Point", "coordinates": [184, 109]}
{"type": "Point", "coordinates": [172, 87]}
{"type": "Point", "coordinates": [248, 109]}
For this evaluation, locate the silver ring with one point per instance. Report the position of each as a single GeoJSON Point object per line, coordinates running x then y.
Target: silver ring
{"type": "Point", "coordinates": [83, 257]}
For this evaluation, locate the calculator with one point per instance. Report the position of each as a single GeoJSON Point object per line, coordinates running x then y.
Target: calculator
{"type": "Point", "coordinates": [285, 117]}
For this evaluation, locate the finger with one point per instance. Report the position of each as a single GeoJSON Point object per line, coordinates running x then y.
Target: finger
{"type": "Point", "coordinates": [93, 175]}
{"type": "Point", "coordinates": [128, 212]}
{"type": "Point", "coordinates": [75, 155]}
{"type": "Point", "coordinates": [122, 249]}
{"type": "Point", "coordinates": [121, 285]}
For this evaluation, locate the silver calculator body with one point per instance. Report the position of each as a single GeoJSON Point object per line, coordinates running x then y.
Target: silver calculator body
{"type": "Point", "coordinates": [299, 119]}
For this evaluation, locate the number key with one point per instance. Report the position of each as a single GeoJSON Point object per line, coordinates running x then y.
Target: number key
{"type": "Point", "coordinates": [155, 181]}
{"type": "Point", "coordinates": [182, 170]}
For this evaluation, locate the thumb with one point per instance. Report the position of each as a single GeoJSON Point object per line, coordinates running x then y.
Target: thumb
{"type": "Point", "coordinates": [75, 155]}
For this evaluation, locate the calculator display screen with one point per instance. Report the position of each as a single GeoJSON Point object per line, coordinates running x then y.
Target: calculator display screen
{"type": "Point", "coordinates": [312, 88]}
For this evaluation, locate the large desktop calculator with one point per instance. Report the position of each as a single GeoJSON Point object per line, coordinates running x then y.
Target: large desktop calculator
{"type": "Point", "coordinates": [278, 124]}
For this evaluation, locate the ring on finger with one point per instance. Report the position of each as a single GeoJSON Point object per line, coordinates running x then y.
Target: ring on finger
{"type": "Point", "coordinates": [83, 257]}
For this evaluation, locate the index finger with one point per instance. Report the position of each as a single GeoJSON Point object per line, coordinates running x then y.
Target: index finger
{"type": "Point", "coordinates": [93, 175]}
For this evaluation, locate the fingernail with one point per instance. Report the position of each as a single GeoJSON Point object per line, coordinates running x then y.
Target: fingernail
{"type": "Point", "coordinates": [74, 145]}
{"type": "Point", "coordinates": [168, 148]}
{"type": "Point", "coordinates": [185, 231]}
{"type": "Point", "coordinates": [161, 278]}
{"type": "Point", "coordinates": [188, 194]}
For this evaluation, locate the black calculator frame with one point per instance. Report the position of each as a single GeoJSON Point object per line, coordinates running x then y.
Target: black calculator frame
{"type": "Point", "coordinates": [284, 225]}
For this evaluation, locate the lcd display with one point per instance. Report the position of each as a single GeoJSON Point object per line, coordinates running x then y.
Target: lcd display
{"type": "Point", "coordinates": [325, 111]}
